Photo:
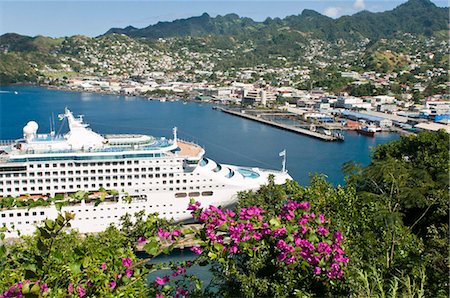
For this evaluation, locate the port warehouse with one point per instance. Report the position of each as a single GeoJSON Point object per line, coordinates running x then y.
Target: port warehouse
{"type": "Point", "coordinates": [387, 120]}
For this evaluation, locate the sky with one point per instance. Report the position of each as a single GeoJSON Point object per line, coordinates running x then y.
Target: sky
{"type": "Point", "coordinates": [93, 18]}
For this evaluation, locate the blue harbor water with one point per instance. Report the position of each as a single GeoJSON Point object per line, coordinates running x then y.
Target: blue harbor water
{"type": "Point", "coordinates": [226, 138]}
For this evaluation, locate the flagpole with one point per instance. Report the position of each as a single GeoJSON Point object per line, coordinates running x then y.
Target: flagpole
{"type": "Point", "coordinates": [284, 163]}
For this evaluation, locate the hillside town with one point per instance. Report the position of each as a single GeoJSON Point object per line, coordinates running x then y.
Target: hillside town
{"type": "Point", "coordinates": [383, 98]}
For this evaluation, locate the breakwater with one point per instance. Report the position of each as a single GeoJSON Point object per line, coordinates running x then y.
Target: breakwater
{"type": "Point", "coordinates": [295, 129]}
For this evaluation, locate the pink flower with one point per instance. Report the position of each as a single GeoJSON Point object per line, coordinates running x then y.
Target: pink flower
{"type": "Point", "coordinates": [303, 221]}
{"type": "Point", "coordinates": [127, 262]}
{"type": "Point", "coordinates": [176, 233]}
{"type": "Point", "coordinates": [304, 205]}
{"type": "Point", "coordinates": [321, 230]}
{"type": "Point", "coordinates": [194, 206]}
{"type": "Point", "coordinates": [141, 240]}
{"type": "Point", "coordinates": [112, 284]}
{"type": "Point", "coordinates": [159, 295]}
{"type": "Point", "coordinates": [257, 236]}
{"type": "Point", "coordinates": [337, 237]}
{"type": "Point", "coordinates": [129, 273]}
{"type": "Point", "coordinates": [317, 270]}
{"type": "Point", "coordinates": [322, 218]}
{"type": "Point", "coordinates": [233, 249]}
{"type": "Point", "coordinates": [279, 232]}
{"type": "Point", "coordinates": [197, 250]}
{"type": "Point", "coordinates": [44, 288]}
{"type": "Point", "coordinates": [81, 291]}
{"type": "Point", "coordinates": [70, 288]}
{"type": "Point", "coordinates": [163, 234]}
{"type": "Point", "coordinates": [103, 266]}
{"type": "Point", "coordinates": [159, 281]}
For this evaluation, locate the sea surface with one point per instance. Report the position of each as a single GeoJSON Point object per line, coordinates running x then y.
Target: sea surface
{"type": "Point", "coordinates": [226, 138]}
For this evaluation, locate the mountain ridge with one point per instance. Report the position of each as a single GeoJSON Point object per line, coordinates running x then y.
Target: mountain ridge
{"type": "Point", "coordinates": [413, 16]}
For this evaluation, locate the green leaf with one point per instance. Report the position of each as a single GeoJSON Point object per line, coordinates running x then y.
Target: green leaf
{"type": "Point", "coordinates": [218, 247]}
{"type": "Point", "coordinates": [212, 255]}
{"type": "Point", "coordinates": [275, 222]}
{"type": "Point", "coordinates": [2, 251]}
{"type": "Point", "coordinates": [41, 246]}
{"type": "Point", "coordinates": [198, 284]}
{"type": "Point", "coordinates": [151, 247]}
{"type": "Point", "coordinates": [75, 268]}
{"type": "Point", "coordinates": [26, 288]}
{"type": "Point", "coordinates": [86, 262]}
{"type": "Point", "coordinates": [35, 288]}
{"type": "Point", "coordinates": [50, 224]}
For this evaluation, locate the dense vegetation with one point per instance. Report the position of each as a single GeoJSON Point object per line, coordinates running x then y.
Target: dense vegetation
{"type": "Point", "coordinates": [415, 16]}
{"type": "Point", "coordinates": [383, 234]}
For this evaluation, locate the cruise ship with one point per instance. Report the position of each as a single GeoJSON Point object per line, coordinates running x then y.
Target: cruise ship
{"type": "Point", "coordinates": [147, 173]}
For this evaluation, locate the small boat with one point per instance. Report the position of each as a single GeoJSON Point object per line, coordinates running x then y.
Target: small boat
{"type": "Point", "coordinates": [327, 132]}
{"type": "Point", "coordinates": [15, 92]}
{"type": "Point", "coordinates": [338, 136]}
{"type": "Point", "coordinates": [162, 100]}
{"type": "Point", "coordinates": [366, 131]}
{"type": "Point", "coordinates": [215, 107]}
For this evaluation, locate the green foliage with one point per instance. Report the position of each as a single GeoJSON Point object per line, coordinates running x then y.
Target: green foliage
{"type": "Point", "coordinates": [59, 263]}
{"type": "Point", "coordinates": [404, 195]}
{"type": "Point", "coordinates": [415, 16]}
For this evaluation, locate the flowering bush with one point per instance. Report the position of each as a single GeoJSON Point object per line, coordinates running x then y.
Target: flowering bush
{"type": "Point", "coordinates": [294, 241]}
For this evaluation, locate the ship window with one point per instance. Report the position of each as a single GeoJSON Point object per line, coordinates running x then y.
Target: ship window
{"type": "Point", "coordinates": [34, 213]}
{"type": "Point", "coordinates": [194, 194]}
{"type": "Point", "coordinates": [10, 215]}
{"type": "Point", "coordinates": [42, 212]}
{"type": "Point", "coordinates": [3, 215]}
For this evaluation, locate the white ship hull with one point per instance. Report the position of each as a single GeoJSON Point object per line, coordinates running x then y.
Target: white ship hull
{"type": "Point", "coordinates": [158, 175]}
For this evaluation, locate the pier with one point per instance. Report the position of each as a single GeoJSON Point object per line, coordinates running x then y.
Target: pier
{"type": "Point", "coordinates": [295, 129]}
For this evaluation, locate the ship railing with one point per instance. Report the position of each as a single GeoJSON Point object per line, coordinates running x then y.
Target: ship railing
{"type": "Point", "coordinates": [269, 171]}
{"type": "Point", "coordinates": [7, 142]}
{"type": "Point", "coordinates": [105, 150]}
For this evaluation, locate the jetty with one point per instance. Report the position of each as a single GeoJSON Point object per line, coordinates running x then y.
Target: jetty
{"type": "Point", "coordinates": [295, 129]}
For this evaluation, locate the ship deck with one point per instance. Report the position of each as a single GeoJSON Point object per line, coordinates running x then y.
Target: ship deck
{"type": "Point", "coordinates": [188, 149]}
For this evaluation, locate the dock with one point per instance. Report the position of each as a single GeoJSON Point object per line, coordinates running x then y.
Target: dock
{"type": "Point", "coordinates": [291, 128]}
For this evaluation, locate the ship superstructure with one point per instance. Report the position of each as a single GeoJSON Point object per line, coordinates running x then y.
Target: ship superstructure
{"type": "Point", "coordinates": [155, 174]}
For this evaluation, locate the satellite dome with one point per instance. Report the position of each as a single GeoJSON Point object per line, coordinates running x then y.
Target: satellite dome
{"type": "Point", "coordinates": [28, 130]}
{"type": "Point", "coordinates": [33, 125]}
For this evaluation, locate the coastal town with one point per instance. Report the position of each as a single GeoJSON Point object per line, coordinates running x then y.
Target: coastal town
{"type": "Point", "coordinates": [373, 101]}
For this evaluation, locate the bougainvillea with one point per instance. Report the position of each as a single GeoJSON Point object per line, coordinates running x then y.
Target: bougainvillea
{"type": "Point", "coordinates": [298, 235]}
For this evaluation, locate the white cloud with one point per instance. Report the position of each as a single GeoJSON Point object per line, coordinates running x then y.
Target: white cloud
{"type": "Point", "coordinates": [332, 11]}
{"type": "Point", "coordinates": [359, 4]}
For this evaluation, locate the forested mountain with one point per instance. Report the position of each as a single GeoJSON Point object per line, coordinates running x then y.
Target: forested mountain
{"type": "Point", "coordinates": [414, 16]}
{"type": "Point", "coordinates": [381, 42]}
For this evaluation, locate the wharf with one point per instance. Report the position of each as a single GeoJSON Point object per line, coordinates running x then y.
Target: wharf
{"type": "Point", "coordinates": [282, 126]}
